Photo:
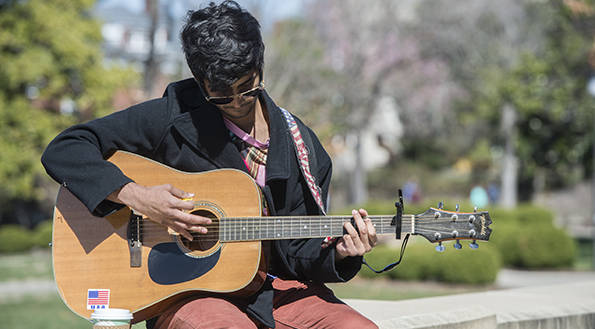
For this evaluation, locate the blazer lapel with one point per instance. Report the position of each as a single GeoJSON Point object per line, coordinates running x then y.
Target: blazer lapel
{"type": "Point", "coordinates": [280, 151]}
{"type": "Point", "coordinates": [203, 128]}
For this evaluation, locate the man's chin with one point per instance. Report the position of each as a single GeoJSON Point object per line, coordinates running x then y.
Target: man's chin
{"type": "Point", "coordinates": [238, 113]}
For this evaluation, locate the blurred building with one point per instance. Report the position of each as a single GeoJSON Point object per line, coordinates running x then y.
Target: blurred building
{"type": "Point", "coordinates": [127, 37]}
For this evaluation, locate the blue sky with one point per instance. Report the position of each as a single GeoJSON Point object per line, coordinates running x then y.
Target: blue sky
{"type": "Point", "coordinates": [272, 10]}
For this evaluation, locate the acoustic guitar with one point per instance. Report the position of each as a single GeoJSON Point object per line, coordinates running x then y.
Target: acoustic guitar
{"type": "Point", "coordinates": [128, 261]}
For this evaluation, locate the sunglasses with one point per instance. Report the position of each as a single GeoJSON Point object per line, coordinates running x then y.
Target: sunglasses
{"type": "Point", "coordinates": [244, 95]}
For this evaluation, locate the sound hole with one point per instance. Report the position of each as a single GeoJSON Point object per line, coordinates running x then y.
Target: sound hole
{"type": "Point", "coordinates": [204, 242]}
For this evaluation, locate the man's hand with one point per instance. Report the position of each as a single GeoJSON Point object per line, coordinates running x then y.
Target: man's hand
{"type": "Point", "coordinates": [354, 243]}
{"type": "Point", "coordinates": [163, 204]}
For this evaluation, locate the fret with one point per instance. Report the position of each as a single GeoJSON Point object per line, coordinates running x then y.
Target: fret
{"type": "Point", "coordinates": [251, 228]}
{"type": "Point", "coordinates": [258, 229]}
{"type": "Point", "coordinates": [326, 228]}
{"type": "Point", "coordinates": [231, 227]}
{"type": "Point", "coordinates": [303, 227]}
{"type": "Point", "coordinates": [275, 232]}
{"type": "Point", "coordinates": [295, 230]}
{"type": "Point", "coordinates": [286, 229]}
{"type": "Point", "coordinates": [278, 233]}
{"type": "Point", "coordinates": [238, 229]}
{"type": "Point", "coordinates": [223, 230]}
{"type": "Point", "coordinates": [232, 230]}
{"type": "Point", "coordinates": [336, 230]}
{"type": "Point", "coordinates": [243, 229]}
{"type": "Point", "coordinates": [247, 229]}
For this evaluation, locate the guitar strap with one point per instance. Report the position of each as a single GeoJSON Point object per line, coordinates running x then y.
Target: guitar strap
{"type": "Point", "coordinates": [301, 150]}
{"type": "Point", "coordinates": [303, 159]}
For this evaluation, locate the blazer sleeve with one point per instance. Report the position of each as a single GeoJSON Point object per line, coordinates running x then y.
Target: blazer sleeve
{"type": "Point", "coordinates": [76, 158]}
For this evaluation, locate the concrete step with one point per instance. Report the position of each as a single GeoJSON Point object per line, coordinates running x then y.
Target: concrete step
{"type": "Point", "coordinates": [566, 305]}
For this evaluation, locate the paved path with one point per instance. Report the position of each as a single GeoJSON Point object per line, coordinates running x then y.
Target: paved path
{"type": "Point", "coordinates": [521, 300]}
{"type": "Point", "coordinates": [16, 289]}
{"type": "Point", "coordinates": [518, 279]}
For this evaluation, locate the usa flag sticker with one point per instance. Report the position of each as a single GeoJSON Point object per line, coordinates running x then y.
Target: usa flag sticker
{"type": "Point", "coordinates": [97, 299]}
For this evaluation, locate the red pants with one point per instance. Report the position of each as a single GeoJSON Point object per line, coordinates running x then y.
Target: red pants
{"type": "Point", "coordinates": [295, 305]}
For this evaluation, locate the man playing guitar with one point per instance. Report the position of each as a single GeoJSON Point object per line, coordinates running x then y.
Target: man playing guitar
{"type": "Point", "coordinates": [222, 118]}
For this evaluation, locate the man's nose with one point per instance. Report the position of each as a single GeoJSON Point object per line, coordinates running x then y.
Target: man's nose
{"type": "Point", "coordinates": [237, 102]}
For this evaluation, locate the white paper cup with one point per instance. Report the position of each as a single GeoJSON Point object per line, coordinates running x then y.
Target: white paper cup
{"type": "Point", "coordinates": [111, 318]}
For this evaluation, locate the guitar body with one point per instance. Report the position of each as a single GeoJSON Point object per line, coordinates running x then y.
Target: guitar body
{"type": "Point", "coordinates": [94, 253]}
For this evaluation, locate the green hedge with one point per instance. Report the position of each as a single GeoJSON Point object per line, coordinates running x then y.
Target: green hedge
{"type": "Point", "coordinates": [43, 234]}
{"type": "Point", "coordinates": [15, 238]}
{"type": "Point", "coordinates": [528, 238]}
{"type": "Point", "coordinates": [422, 262]}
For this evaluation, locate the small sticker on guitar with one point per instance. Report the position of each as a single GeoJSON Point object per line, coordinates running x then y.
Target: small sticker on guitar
{"type": "Point", "coordinates": [97, 299]}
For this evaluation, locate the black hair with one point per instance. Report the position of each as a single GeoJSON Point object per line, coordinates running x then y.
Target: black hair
{"type": "Point", "coordinates": [222, 44]}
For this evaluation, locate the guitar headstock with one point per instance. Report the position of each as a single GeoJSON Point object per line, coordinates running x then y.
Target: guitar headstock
{"type": "Point", "coordinates": [437, 225]}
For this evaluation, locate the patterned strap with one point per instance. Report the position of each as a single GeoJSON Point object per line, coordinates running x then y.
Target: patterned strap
{"type": "Point", "coordinates": [302, 153]}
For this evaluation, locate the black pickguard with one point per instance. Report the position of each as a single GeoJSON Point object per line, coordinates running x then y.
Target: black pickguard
{"type": "Point", "coordinates": [169, 265]}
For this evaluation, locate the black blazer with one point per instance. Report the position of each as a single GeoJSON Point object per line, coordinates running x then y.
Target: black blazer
{"type": "Point", "coordinates": [182, 130]}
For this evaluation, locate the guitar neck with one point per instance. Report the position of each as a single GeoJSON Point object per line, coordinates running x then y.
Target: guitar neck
{"type": "Point", "coordinates": [278, 228]}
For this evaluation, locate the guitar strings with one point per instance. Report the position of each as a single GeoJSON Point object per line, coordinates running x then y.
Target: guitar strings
{"type": "Point", "coordinates": [289, 226]}
{"type": "Point", "coordinates": [297, 222]}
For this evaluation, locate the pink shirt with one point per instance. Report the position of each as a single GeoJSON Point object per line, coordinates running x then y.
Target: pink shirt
{"type": "Point", "coordinates": [261, 175]}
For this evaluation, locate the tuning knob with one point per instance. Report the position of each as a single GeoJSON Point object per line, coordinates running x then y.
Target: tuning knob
{"type": "Point", "coordinates": [473, 245]}
{"type": "Point", "coordinates": [440, 205]}
{"type": "Point", "coordinates": [458, 245]}
{"type": "Point", "coordinates": [440, 247]}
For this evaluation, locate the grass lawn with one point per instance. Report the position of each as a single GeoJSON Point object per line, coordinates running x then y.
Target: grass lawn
{"type": "Point", "coordinates": [44, 310]}
{"type": "Point", "coordinates": [22, 266]}
{"type": "Point", "coordinates": [47, 310]}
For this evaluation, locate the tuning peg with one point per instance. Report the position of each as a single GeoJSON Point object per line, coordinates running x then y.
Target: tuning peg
{"type": "Point", "coordinates": [458, 245]}
{"type": "Point", "coordinates": [440, 205]}
{"type": "Point", "coordinates": [440, 247]}
{"type": "Point", "coordinates": [473, 245]}
{"type": "Point", "coordinates": [475, 209]}
{"type": "Point", "coordinates": [457, 207]}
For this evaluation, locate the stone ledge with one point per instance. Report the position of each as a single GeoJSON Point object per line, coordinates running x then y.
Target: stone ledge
{"type": "Point", "coordinates": [569, 305]}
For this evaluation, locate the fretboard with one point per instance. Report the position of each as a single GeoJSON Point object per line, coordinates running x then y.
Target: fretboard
{"type": "Point", "coordinates": [277, 228]}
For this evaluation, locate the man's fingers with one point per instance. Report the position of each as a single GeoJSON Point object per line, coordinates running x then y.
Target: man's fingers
{"type": "Point", "coordinates": [180, 230]}
{"type": "Point", "coordinates": [179, 193]}
{"type": "Point", "coordinates": [185, 223]}
{"type": "Point", "coordinates": [181, 199]}
{"type": "Point", "coordinates": [361, 224]}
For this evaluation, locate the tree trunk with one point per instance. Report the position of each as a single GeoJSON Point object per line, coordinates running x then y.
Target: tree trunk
{"type": "Point", "coordinates": [510, 166]}
{"type": "Point", "coordinates": [359, 184]}
{"type": "Point", "coordinates": [151, 62]}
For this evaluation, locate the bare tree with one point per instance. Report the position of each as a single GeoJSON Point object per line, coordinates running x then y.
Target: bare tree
{"type": "Point", "coordinates": [367, 44]}
{"type": "Point", "coordinates": [479, 39]}
{"type": "Point", "coordinates": [151, 62]}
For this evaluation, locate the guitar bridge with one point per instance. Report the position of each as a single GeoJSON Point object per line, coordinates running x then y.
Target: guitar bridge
{"type": "Point", "coordinates": [134, 239]}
